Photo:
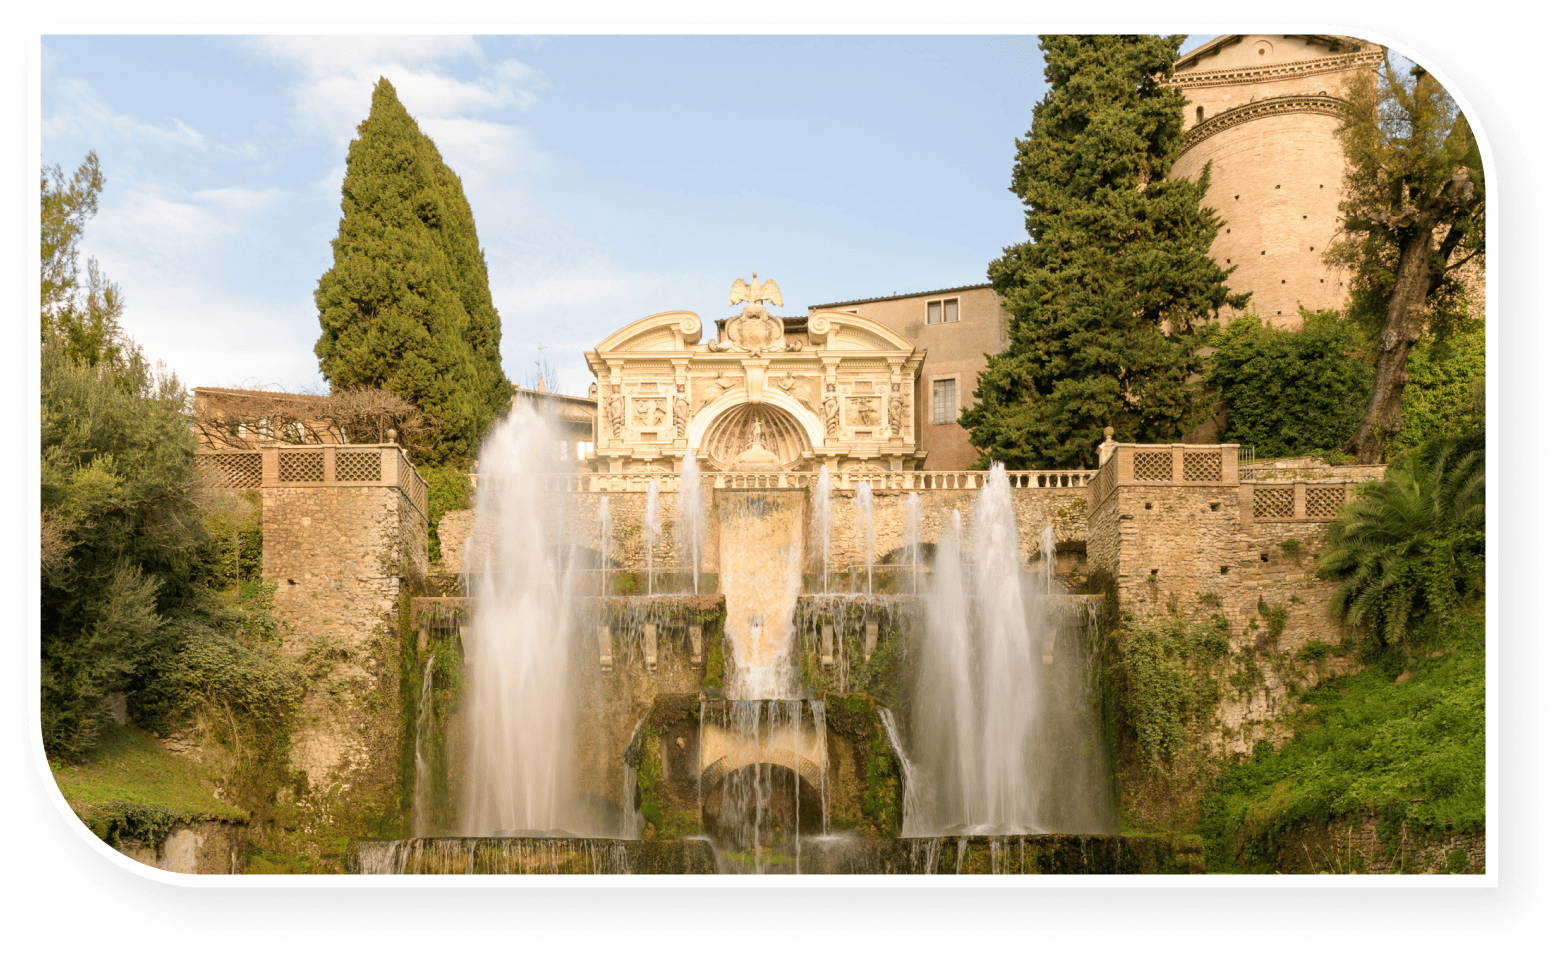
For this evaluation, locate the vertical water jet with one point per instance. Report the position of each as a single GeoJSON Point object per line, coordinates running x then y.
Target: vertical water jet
{"type": "Point", "coordinates": [651, 531]}
{"type": "Point", "coordinates": [863, 526]}
{"type": "Point", "coordinates": [823, 517]}
{"type": "Point", "coordinates": [690, 508]}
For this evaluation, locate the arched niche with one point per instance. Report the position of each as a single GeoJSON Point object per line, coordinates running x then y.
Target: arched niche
{"type": "Point", "coordinates": [704, 420]}
{"type": "Point", "coordinates": [736, 428]}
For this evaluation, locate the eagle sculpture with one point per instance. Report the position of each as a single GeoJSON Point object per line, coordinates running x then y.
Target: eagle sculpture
{"type": "Point", "coordinates": [752, 293]}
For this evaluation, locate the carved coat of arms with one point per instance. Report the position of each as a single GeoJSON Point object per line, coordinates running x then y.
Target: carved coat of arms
{"type": "Point", "coordinates": [755, 329]}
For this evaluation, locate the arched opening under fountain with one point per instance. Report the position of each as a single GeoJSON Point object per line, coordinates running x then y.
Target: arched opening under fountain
{"type": "Point", "coordinates": [764, 806]}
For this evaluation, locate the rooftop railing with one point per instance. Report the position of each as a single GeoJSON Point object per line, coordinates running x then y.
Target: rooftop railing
{"type": "Point", "coordinates": [1174, 464]}
{"type": "Point", "coordinates": [318, 465]}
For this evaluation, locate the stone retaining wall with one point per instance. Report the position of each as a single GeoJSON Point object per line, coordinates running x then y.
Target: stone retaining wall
{"type": "Point", "coordinates": [1036, 507]}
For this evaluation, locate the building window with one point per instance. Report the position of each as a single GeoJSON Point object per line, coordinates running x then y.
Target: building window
{"type": "Point", "coordinates": [943, 311]}
{"type": "Point", "coordinates": [293, 433]}
{"type": "Point", "coordinates": [586, 447]}
{"type": "Point", "coordinates": [944, 401]}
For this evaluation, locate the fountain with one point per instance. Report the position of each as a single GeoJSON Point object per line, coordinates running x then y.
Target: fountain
{"type": "Point", "coordinates": [823, 517]}
{"type": "Point", "coordinates": [912, 520]}
{"type": "Point", "coordinates": [918, 730]}
{"type": "Point", "coordinates": [651, 527]}
{"type": "Point", "coordinates": [604, 523]}
{"type": "Point", "coordinates": [988, 714]}
{"type": "Point", "coordinates": [690, 515]}
{"type": "Point", "coordinates": [863, 527]}
{"type": "Point", "coordinates": [521, 769]}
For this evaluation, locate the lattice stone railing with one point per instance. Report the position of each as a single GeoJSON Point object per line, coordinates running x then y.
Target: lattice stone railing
{"type": "Point", "coordinates": [1176, 464]}
{"type": "Point", "coordinates": [786, 479]}
{"type": "Point", "coordinates": [347, 465]}
{"type": "Point", "coordinates": [1299, 501]}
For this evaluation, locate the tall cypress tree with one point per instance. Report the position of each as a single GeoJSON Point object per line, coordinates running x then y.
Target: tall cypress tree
{"type": "Point", "coordinates": [1114, 292]}
{"type": "Point", "coordinates": [406, 306]}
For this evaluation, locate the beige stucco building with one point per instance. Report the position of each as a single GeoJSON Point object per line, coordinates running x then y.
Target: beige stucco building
{"type": "Point", "coordinates": [1262, 111]}
{"type": "Point", "coordinates": [957, 327]}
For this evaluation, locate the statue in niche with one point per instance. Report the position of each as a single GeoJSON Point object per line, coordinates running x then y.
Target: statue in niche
{"type": "Point", "coordinates": [758, 455]}
{"type": "Point", "coordinates": [831, 413]}
{"type": "Point", "coordinates": [896, 412]}
{"type": "Point", "coordinates": [614, 411]}
{"type": "Point", "coordinates": [755, 329]}
{"type": "Point", "coordinates": [679, 407]}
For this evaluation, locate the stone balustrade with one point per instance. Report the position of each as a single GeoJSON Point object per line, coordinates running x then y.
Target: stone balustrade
{"type": "Point", "coordinates": [370, 464]}
{"type": "Point", "coordinates": [1175, 464]}
{"type": "Point", "coordinates": [887, 480]}
{"type": "Point", "coordinates": [1296, 501]}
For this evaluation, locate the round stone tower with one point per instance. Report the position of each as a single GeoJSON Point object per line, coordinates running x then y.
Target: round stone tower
{"type": "Point", "coordinates": [1263, 111]}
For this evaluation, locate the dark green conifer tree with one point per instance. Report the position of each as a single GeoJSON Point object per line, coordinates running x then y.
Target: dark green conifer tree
{"type": "Point", "coordinates": [406, 306]}
{"type": "Point", "coordinates": [1113, 294]}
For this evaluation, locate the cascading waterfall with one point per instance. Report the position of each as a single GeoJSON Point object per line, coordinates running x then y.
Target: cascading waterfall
{"type": "Point", "coordinates": [761, 553]}
{"type": "Point", "coordinates": [908, 773]}
{"type": "Point", "coordinates": [912, 518]}
{"type": "Point", "coordinates": [651, 527]}
{"type": "Point", "coordinates": [863, 526]}
{"type": "Point", "coordinates": [422, 793]}
{"type": "Point", "coordinates": [522, 717]}
{"type": "Point", "coordinates": [690, 507]}
{"type": "Point", "coordinates": [1047, 551]}
{"type": "Point", "coordinates": [764, 810]}
{"type": "Point", "coordinates": [823, 516]}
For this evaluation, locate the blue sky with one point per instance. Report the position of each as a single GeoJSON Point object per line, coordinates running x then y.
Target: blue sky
{"type": "Point", "coordinates": [611, 176]}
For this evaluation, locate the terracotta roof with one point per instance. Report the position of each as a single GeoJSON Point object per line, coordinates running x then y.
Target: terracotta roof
{"type": "Point", "coordinates": [895, 297]}
{"type": "Point", "coordinates": [569, 407]}
{"type": "Point", "coordinates": [239, 392]}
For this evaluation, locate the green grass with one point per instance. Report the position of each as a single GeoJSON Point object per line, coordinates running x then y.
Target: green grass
{"type": "Point", "coordinates": [130, 786]}
{"type": "Point", "coordinates": [1410, 752]}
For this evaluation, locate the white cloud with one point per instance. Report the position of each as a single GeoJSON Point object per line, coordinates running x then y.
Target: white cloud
{"type": "Point", "coordinates": [340, 73]}
{"type": "Point", "coordinates": [238, 200]}
{"type": "Point", "coordinates": [211, 339]}
{"type": "Point", "coordinates": [78, 111]}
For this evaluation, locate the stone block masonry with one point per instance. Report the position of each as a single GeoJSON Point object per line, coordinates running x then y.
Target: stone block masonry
{"type": "Point", "coordinates": [1241, 549]}
{"type": "Point", "coordinates": [345, 531]}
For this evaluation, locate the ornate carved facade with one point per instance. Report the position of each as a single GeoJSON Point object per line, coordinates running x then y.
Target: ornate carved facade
{"type": "Point", "coordinates": [767, 393]}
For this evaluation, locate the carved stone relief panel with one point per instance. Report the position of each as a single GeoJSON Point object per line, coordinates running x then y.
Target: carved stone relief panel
{"type": "Point", "coordinates": [649, 412]}
{"type": "Point", "coordinates": [863, 412]}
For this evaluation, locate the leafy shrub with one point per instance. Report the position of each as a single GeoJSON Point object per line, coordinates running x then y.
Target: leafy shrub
{"type": "Point", "coordinates": [1444, 392]}
{"type": "Point", "coordinates": [122, 512]}
{"type": "Point", "coordinates": [1314, 650]}
{"type": "Point", "coordinates": [449, 488]}
{"type": "Point", "coordinates": [1412, 753]}
{"type": "Point", "coordinates": [1290, 392]}
{"type": "Point", "coordinates": [1410, 546]}
{"type": "Point", "coordinates": [1167, 683]}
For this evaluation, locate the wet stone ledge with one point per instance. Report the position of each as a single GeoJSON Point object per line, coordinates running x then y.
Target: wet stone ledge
{"type": "Point", "coordinates": [1033, 854]}
{"type": "Point", "coordinates": [530, 855]}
